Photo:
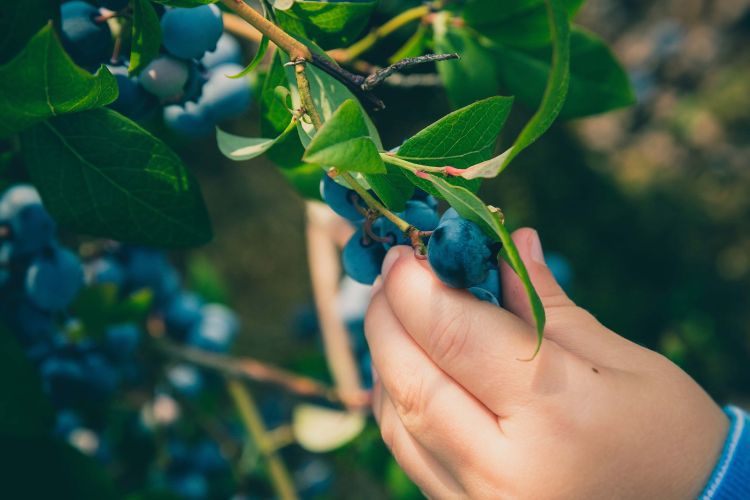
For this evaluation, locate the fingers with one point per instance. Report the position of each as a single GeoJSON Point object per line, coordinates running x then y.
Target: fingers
{"type": "Point", "coordinates": [567, 324]}
{"type": "Point", "coordinates": [477, 344]}
{"type": "Point", "coordinates": [448, 422]}
{"type": "Point", "coordinates": [432, 478]}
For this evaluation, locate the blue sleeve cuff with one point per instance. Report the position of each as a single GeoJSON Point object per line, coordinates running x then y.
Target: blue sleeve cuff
{"type": "Point", "coordinates": [731, 477]}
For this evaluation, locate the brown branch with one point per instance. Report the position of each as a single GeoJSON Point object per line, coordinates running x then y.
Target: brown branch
{"type": "Point", "coordinates": [250, 369]}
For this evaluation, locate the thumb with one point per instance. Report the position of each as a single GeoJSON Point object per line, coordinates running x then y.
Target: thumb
{"type": "Point", "coordinates": [567, 324]}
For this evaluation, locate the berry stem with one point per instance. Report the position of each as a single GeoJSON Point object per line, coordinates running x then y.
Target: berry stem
{"type": "Point", "coordinates": [251, 418]}
{"type": "Point", "coordinates": [375, 204]}
{"type": "Point", "coordinates": [390, 27]}
{"type": "Point", "coordinates": [296, 50]}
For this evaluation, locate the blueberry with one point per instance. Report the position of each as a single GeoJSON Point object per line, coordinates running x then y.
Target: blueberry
{"type": "Point", "coordinates": [64, 379]}
{"type": "Point", "coordinates": [186, 379]}
{"type": "Point", "coordinates": [147, 268]}
{"type": "Point", "coordinates": [132, 101]}
{"type": "Point", "coordinates": [188, 33]}
{"type": "Point", "coordinates": [228, 51]}
{"type": "Point", "coordinates": [417, 213]}
{"type": "Point", "coordinates": [224, 97]}
{"type": "Point", "coordinates": [54, 279]}
{"type": "Point", "coordinates": [216, 330]}
{"type": "Point", "coordinates": [104, 270]}
{"type": "Point", "coordinates": [101, 376]}
{"type": "Point", "coordinates": [89, 42]}
{"type": "Point", "coordinates": [362, 258]}
{"type": "Point", "coordinates": [197, 78]}
{"type": "Point", "coordinates": [192, 120]}
{"type": "Point", "coordinates": [31, 227]}
{"type": "Point", "coordinates": [420, 195]}
{"type": "Point", "coordinates": [165, 77]}
{"type": "Point", "coordinates": [341, 199]}
{"type": "Point", "coordinates": [459, 252]}
{"type": "Point", "coordinates": [122, 340]}
{"type": "Point", "coordinates": [182, 313]}
{"type": "Point", "coordinates": [189, 485]}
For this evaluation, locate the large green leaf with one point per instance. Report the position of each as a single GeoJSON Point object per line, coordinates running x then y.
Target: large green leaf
{"type": "Point", "coordinates": [344, 142]}
{"type": "Point", "coordinates": [552, 102]}
{"type": "Point", "coordinates": [469, 206]}
{"type": "Point", "coordinates": [472, 77]}
{"type": "Point", "coordinates": [19, 21]}
{"type": "Point", "coordinates": [24, 409]}
{"type": "Point", "coordinates": [519, 23]}
{"type": "Point", "coordinates": [101, 174]}
{"type": "Point", "coordinates": [146, 39]}
{"type": "Point", "coordinates": [598, 83]}
{"type": "Point", "coordinates": [461, 139]}
{"type": "Point", "coordinates": [329, 24]}
{"type": "Point", "coordinates": [43, 81]}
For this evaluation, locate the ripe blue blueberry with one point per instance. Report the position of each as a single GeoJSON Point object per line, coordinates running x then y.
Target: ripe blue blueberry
{"type": "Point", "coordinates": [342, 200]}
{"type": "Point", "coordinates": [192, 120]}
{"type": "Point", "coordinates": [104, 270]}
{"type": "Point", "coordinates": [148, 268]}
{"type": "Point", "coordinates": [228, 51]}
{"type": "Point", "coordinates": [197, 78]}
{"type": "Point", "coordinates": [362, 258]}
{"type": "Point", "coordinates": [32, 229]}
{"type": "Point", "coordinates": [122, 340]}
{"type": "Point", "coordinates": [54, 279]}
{"type": "Point", "coordinates": [188, 33]}
{"type": "Point", "coordinates": [87, 41]}
{"type": "Point", "coordinates": [216, 330]}
{"type": "Point", "coordinates": [185, 379]}
{"type": "Point", "coordinates": [132, 101]}
{"type": "Point", "coordinates": [417, 213]}
{"type": "Point", "coordinates": [17, 197]}
{"type": "Point", "coordinates": [165, 77]}
{"type": "Point", "coordinates": [459, 252]}
{"type": "Point", "coordinates": [225, 97]}
{"type": "Point", "coordinates": [182, 313]}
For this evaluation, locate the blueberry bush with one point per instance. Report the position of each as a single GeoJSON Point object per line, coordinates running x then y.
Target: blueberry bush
{"type": "Point", "coordinates": [116, 370]}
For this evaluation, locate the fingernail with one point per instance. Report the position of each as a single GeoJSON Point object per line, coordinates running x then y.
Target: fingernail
{"type": "Point", "coordinates": [535, 248]}
{"type": "Point", "coordinates": [376, 286]}
{"type": "Point", "coordinates": [390, 259]}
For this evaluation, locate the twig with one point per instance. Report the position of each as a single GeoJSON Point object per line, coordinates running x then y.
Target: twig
{"type": "Point", "coordinates": [381, 75]}
{"type": "Point", "coordinates": [252, 370]}
{"type": "Point", "coordinates": [251, 418]}
{"type": "Point", "coordinates": [296, 49]}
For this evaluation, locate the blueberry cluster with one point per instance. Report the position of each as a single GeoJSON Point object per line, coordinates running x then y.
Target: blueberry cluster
{"type": "Point", "coordinates": [188, 81]}
{"type": "Point", "coordinates": [460, 253]}
{"type": "Point", "coordinates": [81, 370]}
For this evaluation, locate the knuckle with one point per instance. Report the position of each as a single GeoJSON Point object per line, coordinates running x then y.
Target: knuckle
{"type": "Point", "coordinates": [448, 338]}
{"type": "Point", "coordinates": [410, 403]}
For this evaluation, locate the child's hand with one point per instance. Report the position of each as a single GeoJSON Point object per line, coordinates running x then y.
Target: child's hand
{"type": "Point", "coordinates": [593, 416]}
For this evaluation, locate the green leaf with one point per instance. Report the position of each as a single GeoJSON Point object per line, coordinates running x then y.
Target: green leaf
{"type": "Point", "coordinates": [552, 102]}
{"type": "Point", "coordinates": [146, 36]}
{"type": "Point", "coordinates": [461, 139]}
{"type": "Point", "coordinates": [103, 175]}
{"type": "Point", "coordinates": [262, 49]}
{"type": "Point", "coordinates": [24, 409]}
{"type": "Point", "coordinates": [469, 206]}
{"type": "Point", "coordinates": [42, 81]}
{"type": "Point", "coordinates": [274, 117]}
{"type": "Point", "coordinates": [19, 21]}
{"type": "Point", "coordinates": [240, 148]}
{"type": "Point", "coordinates": [473, 76]}
{"type": "Point", "coordinates": [344, 142]}
{"type": "Point", "coordinates": [66, 472]}
{"type": "Point", "coordinates": [329, 24]}
{"type": "Point", "coordinates": [518, 23]}
{"type": "Point", "coordinates": [598, 83]}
